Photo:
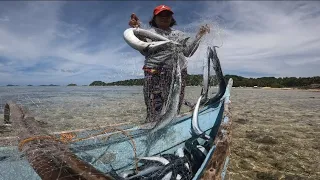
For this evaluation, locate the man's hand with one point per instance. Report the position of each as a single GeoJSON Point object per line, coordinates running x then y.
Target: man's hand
{"type": "Point", "coordinates": [203, 30]}
{"type": "Point", "coordinates": [134, 21]}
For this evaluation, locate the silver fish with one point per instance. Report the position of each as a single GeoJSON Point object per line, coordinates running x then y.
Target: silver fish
{"type": "Point", "coordinates": [206, 74]}
{"type": "Point", "coordinates": [130, 37]}
{"type": "Point", "coordinates": [156, 158]}
{"type": "Point", "coordinates": [180, 153]}
{"type": "Point", "coordinates": [125, 174]}
{"type": "Point", "coordinates": [195, 123]}
{"type": "Point", "coordinates": [167, 176]}
{"type": "Point", "coordinates": [204, 95]}
{"type": "Point", "coordinates": [202, 149]}
{"type": "Point", "coordinates": [146, 171]}
{"type": "Point", "coordinates": [178, 177]}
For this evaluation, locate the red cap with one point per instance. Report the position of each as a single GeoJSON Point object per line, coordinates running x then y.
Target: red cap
{"type": "Point", "coordinates": [161, 8]}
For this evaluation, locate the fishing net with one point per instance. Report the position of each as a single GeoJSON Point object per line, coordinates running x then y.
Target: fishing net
{"type": "Point", "coordinates": [79, 131]}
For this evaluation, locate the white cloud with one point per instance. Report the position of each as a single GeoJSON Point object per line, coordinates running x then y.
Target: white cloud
{"type": "Point", "coordinates": [280, 38]}
{"type": "Point", "coordinates": [261, 36]}
{"type": "Point", "coordinates": [5, 19]}
{"type": "Point", "coordinates": [36, 32]}
{"type": "Point", "coordinates": [29, 32]}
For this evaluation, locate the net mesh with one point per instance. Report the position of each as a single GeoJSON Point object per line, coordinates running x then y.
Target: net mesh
{"type": "Point", "coordinates": [101, 127]}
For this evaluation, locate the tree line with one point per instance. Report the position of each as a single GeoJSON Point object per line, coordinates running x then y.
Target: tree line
{"type": "Point", "coordinates": [238, 81]}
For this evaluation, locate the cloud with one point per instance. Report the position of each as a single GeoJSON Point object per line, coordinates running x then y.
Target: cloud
{"type": "Point", "coordinates": [49, 45]}
{"type": "Point", "coordinates": [278, 38]}
{"type": "Point", "coordinates": [64, 41]}
{"type": "Point", "coordinates": [4, 19]}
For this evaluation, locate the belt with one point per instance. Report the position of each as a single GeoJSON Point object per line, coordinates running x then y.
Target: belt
{"type": "Point", "coordinates": [151, 70]}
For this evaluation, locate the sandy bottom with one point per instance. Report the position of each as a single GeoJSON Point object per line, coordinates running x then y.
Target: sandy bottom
{"type": "Point", "coordinates": [276, 133]}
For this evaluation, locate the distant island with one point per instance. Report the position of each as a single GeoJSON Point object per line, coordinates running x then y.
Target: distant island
{"type": "Point", "coordinates": [238, 81]}
{"type": "Point", "coordinates": [50, 85]}
{"type": "Point", "coordinates": [72, 85]}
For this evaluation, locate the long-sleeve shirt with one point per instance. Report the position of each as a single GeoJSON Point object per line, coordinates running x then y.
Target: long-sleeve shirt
{"type": "Point", "coordinates": [169, 54]}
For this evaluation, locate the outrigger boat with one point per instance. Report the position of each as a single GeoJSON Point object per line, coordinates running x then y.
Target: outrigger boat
{"type": "Point", "coordinates": [194, 145]}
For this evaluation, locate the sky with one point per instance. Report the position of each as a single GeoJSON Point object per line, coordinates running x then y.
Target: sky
{"type": "Point", "coordinates": [60, 42]}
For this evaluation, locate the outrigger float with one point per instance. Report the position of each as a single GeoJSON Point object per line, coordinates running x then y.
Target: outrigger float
{"type": "Point", "coordinates": [195, 145]}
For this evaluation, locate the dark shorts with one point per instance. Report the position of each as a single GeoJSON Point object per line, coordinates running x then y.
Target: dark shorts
{"type": "Point", "coordinates": [156, 90]}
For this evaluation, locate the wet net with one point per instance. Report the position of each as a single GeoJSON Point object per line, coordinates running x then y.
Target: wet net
{"type": "Point", "coordinates": [88, 132]}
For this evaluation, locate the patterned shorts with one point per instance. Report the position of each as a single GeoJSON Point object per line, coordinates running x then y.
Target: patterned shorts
{"type": "Point", "coordinates": [156, 90]}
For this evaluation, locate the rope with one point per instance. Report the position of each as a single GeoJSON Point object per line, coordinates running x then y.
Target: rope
{"type": "Point", "coordinates": [23, 142]}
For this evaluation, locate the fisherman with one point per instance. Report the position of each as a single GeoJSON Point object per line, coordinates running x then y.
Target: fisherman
{"type": "Point", "coordinates": [159, 65]}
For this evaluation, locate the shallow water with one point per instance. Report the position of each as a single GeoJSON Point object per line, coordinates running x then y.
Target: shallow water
{"type": "Point", "coordinates": [63, 108]}
{"type": "Point", "coordinates": [66, 108]}
{"type": "Point", "coordinates": [275, 132]}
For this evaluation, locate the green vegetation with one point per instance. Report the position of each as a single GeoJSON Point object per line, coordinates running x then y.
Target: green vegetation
{"type": "Point", "coordinates": [238, 81]}
{"type": "Point", "coordinates": [130, 82]}
{"type": "Point", "coordinates": [98, 83]}
{"type": "Point", "coordinates": [281, 82]}
{"type": "Point", "coordinates": [49, 85]}
{"type": "Point", "coordinates": [72, 85]}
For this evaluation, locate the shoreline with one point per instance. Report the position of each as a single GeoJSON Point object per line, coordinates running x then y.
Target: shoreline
{"type": "Point", "coordinates": [265, 88]}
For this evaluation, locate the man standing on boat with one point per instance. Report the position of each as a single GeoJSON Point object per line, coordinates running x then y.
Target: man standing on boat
{"type": "Point", "coordinates": [158, 65]}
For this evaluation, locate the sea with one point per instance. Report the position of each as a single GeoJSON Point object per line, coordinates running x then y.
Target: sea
{"type": "Point", "coordinates": [60, 108]}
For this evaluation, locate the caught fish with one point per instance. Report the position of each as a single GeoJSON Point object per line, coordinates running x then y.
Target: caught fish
{"type": "Point", "coordinates": [156, 158]}
{"type": "Point", "coordinates": [126, 174]}
{"type": "Point", "coordinates": [181, 154]}
{"type": "Point", "coordinates": [195, 123]}
{"type": "Point", "coordinates": [167, 176]}
{"type": "Point", "coordinates": [146, 171]}
{"type": "Point", "coordinates": [131, 38]}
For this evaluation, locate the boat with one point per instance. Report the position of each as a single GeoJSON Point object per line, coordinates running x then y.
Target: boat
{"type": "Point", "coordinates": [195, 145]}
